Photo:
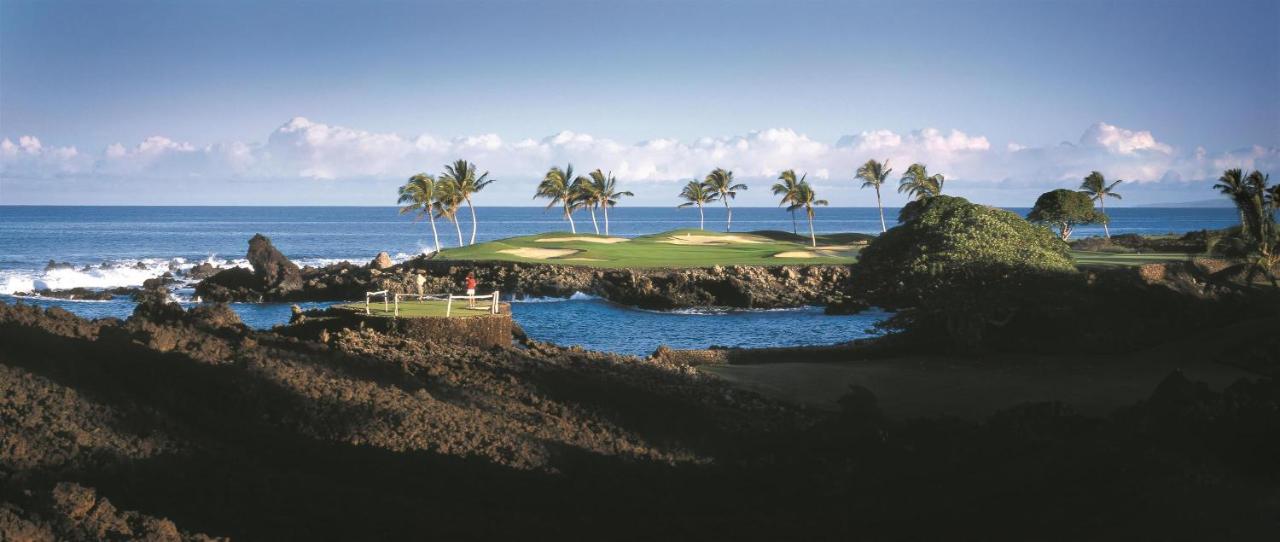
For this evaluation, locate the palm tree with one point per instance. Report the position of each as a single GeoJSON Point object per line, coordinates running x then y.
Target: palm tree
{"type": "Point", "coordinates": [605, 188]}
{"type": "Point", "coordinates": [873, 174]}
{"type": "Point", "coordinates": [697, 193]}
{"type": "Point", "coordinates": [590, 198]}
{"type": "Point", "coordinates": [787, 189]}
{"type": "Point", "coordinates": [1096, 187]}
{"type": "Point", "coordinates": [449, 201]}
{"type": "Point", "coordinates": [1259, 233]}
{"type": "Point", "coordinates": [561, 187]}
{"type": "Point", "coordinates": [419, 195]}
{"type": "Point", "coordinates": [720, 184]}
{"type": "Point", "coordinates": [919, 184]}
{"type": "Point", "coordinates": [1231, 184]}
{"type": "Point", "coordinates": [806, 199]}
{"type": "Point", "coordinates": [463, 174]}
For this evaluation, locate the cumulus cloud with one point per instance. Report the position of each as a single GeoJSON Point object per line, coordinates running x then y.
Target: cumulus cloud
{"type": "Point", "coordinates": [1120, 141]}
{"type": "Point", "coordinates": [303, 149]}
{"type": "Point", "coordinates": [31, 157]}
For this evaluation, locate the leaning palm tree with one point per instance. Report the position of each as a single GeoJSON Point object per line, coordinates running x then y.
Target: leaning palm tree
{"type": "Point", "coordinates": [720, 184]}
{"type": "Point", "coordinates": [448, 202]}
{"type": "Point", "coordinates": [806, 199]}
{"type": "Point", "coordinates": [697, 194]}
{"type": "Point", "coordinates": [419, 195]}
{"type": "Point", "coordinates": [590, 198]}
{"type": "Point", "coordinates": [605, 188]}
{"type": "Point", "coordinates": [919, 184]}
{"type": "Point", "coordinates": [463, 174]}
{"type": "Point", "coordinates": [787, 189]}
{"type": "Point", "coordinates": [1096, 187]}
{"type": "Point", "coordinates": [1232, 185]}
{"type": "Point", "coordinates": [873, 174]}
{"type": "Point", "coordinates": [562, 188]}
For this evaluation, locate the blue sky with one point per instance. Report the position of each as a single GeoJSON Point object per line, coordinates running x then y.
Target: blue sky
{"type": "Point", "coordinates": [328, 102]}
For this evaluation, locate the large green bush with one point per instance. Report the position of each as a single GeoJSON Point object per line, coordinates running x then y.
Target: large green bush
{"type": "Point", "coordinates": [948, 240]}
{"type": "Point", "coordinates": [955, 270]}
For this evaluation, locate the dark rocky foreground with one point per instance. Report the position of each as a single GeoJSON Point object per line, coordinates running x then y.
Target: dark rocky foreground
{"type": "Point", "coordinates": [178, 422]}
{"type": "Point", "coordinates": [275, 278]}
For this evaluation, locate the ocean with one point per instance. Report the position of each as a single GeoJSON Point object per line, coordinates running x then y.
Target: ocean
{"type": "Point", "coordinates": [122, 246]}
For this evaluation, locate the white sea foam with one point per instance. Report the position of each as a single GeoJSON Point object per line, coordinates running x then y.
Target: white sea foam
{"type": "Point", "coordinates": [577, 296]}
{"type": "Point", "coordinates": [96, 276]}
{"type": "Point", "coordinates": [131, 273]}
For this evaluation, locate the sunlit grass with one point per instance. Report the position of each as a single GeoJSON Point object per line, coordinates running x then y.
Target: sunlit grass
{"type": "Point", "coordinates": [677, 248]}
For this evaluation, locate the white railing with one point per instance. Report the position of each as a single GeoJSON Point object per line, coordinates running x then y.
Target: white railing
{"type": "Point", "coordinates": [398, 297]}
{"type": "Point", "coordinates": [369, 295]}
{"type": "Point", "coordinates": [493, 305]}
{"type": "Point", "coordinates": [390, 300]}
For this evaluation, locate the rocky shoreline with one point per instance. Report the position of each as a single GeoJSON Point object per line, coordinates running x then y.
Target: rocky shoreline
{"type": "Point", "coordinates": [276, 278]}
{"type": "Point", "coordinates": [175, 423]}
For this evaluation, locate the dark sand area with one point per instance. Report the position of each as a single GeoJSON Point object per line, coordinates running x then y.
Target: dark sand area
{"type": "Point", "coordinates": [974, 388]}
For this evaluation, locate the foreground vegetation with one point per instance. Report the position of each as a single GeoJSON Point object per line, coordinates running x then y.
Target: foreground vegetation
{"type": "Point", "coordinates": [676, 248]}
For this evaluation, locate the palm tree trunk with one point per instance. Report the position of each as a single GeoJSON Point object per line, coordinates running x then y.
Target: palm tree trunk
{"type": "Point", "coordinates": [606, 219]}
{"type": "Point", "coordinates": [459, 228]}
{"type": "Point", "coordinates": [881, 207]}
{"type": "Point", "coordinates": [473, 221]}
{"type": "Point", "coordinates": [1102, 202]}
{"type": "Point", "coordinates": [434, 235]}
{"type": "Point", "coordinates": [728, 223]}
{"type": "Point", "coordinates": [593, 219]}
{"type": "Point", "coordinates": [813, 239]}
{"type": "Point", "coordinates": [794, 230]}
{"type": "Point", "coordinates": [569, 215]}
{"type": "Point", "coordinates": [701, 219]}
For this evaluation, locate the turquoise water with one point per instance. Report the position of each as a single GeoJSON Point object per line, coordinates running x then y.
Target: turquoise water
{"type": "Point", "coordinates": [122, 246]}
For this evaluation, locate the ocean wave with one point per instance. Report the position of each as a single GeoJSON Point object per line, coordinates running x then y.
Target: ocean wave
{"type": "Point", "coordinates": [128, 273]}
{"type": "Point", "coordinates": [577, 296]}
{"type": "Point", "coordinates": [105, 275]}
{"type": "Point", "coordinates": [719, 311]}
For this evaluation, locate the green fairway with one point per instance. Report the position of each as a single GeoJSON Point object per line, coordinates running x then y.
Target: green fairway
{"type": "Point", "coordinates": [678, 248]}
{"type": "Point", "coordinates": [419, 309]}
{"type": "Point", "coordinates": [1117, 259]}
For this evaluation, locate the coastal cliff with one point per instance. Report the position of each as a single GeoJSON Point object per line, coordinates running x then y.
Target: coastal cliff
{"type": "Point", "coordinates": [748, 287]}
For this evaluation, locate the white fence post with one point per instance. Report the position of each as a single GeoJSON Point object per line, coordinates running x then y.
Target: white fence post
{"type": "Point", "coordinates": [448, 307]}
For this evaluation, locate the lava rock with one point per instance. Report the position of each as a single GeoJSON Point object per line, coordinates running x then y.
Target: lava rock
{"type": "Point", "coordinates": [382, 261]}
{"type": "Point", "coordinates": [273, 270]}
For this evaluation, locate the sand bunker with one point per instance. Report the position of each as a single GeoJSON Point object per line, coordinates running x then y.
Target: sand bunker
{"type": "Point", "coordinates": [539, 253]}
{"type": "Point", "coordinates": [692, 239]}
{"type": "Point", "coordinates": [821, 252]}
{"type": "Point", "coordinates": [605, 240]}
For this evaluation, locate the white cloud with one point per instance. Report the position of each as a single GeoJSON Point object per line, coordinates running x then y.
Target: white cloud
{"type": "Point", "coordinates": [1121, 141]}
{"type": "Point", "coordinates": [306, 149]}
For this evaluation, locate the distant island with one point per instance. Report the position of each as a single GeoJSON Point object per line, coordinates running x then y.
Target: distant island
{"type": "Point", "coordinates": [1211, 202]}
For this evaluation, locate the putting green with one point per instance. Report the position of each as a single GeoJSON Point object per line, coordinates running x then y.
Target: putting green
{"type": "Point", "coordinates": [1121, 259]}
{"type": "Point", "coordinates": [677, 248]}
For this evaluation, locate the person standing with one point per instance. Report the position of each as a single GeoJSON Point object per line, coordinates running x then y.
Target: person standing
{"type": "Point", "coordinates": [471, 290]}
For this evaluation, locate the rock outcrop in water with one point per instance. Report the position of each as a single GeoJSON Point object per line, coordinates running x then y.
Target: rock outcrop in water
{"type": "Point", "coordinates": [276, 274]}
{"type": "Point", "coordinates": [731, 286]}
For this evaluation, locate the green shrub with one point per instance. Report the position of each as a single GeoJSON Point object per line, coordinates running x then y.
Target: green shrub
{"type": "Point", "coordinates": [1065, 209]}
{"type": "Point", "coordinates": [956, 269]}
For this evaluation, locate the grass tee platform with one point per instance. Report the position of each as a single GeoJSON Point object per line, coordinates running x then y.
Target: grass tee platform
{"type": "Point", "coordinates": [426, 321]}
